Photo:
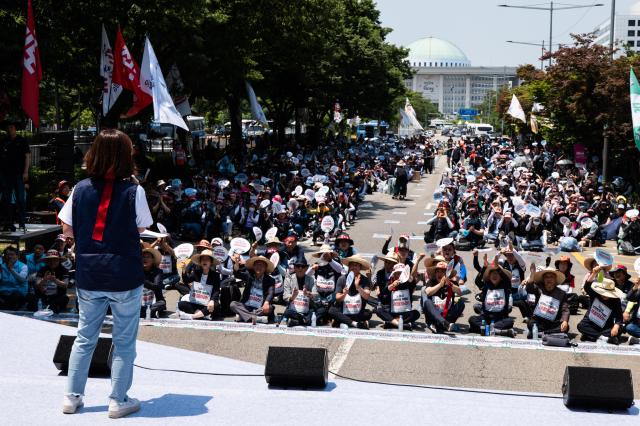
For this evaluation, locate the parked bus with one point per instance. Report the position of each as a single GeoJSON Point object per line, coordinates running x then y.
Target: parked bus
{"type": "Point", "coordinates": [371, 129]}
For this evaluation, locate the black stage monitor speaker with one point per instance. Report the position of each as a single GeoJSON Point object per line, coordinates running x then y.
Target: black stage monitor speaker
{"type": "Point", "coordinates": [100, 363]}
{"type": "Point", "coordinates": [297, 367]}
{"type": "Point", "coordinates": [607, 388]}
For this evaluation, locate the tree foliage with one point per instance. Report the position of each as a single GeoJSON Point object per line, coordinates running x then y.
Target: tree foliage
{"type": "Point", "coordinates": [300, 56]}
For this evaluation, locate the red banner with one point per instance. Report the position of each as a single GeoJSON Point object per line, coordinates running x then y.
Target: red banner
{"type": "Point", "coordinates": [31, 70]}
{"type": "Point", "coordinates": [126, 73]}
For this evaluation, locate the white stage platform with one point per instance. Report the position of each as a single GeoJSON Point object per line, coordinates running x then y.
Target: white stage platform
{"type": "Point", "coordinates": [31, 393]}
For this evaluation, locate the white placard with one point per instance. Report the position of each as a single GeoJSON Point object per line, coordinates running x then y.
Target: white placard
{"type": "Point", "coordinates": [271, 233]}
{"type": "Point", "coordinates": [162, 228]}
{"type": "Point", "coordinates": [636, 266]}
{"type": "Point", "coordinates": [327, 224]}
{"type": "Point", "coordinates": [183, 251]}
{"type": "Point", "coordinates": [257, 232]}
{"type": "Point", "coordinates": [240, 245]}
{"type": "Point", "coordinates": [298, 191]}
{"type": "Point", "coordinates": [150, 234]}
{"type": "Point", "coordinates": [406, 274]}
{"type": "Point", "coordinates": [603, 257]}
{"type": "Point", "coordinates": [275, 259]}
{"type": "Point", "coordinates": [219, 253]}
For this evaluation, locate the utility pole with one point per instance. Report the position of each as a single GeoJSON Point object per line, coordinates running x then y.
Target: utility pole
{"type": "Point", "coordinates": [605, 144]}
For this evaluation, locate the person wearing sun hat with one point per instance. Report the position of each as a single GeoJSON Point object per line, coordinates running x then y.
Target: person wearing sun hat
{"type": "Point", "coordinates": [256, 302]}
{"type": "Point", "coordinates": [351, 294]}
{"type": "Point", "coordinates": [546, 304]}
{"type": "Point", "coordinates": [299, 291]}
{"type": "Point", "coordinates": [604, 316]}
{"type": "Point", "coordinates": [204, 288]}
{"type": "Point", "coordinates": [622, 279]}
{"type": "Point", "coordinates": [199, 247]}
{"type": "Point", "coordinates": [152, 290]}
{"type": "Point", "coordinates": [326, 272]}
{"type": "Point", "coordinates": [395, 294]}
{"type": "Point", "coordinates": [441, 310]}
{"type": "Point", "coordinates": [344, 246]}
{"type": "Point", "coordinates": [495, 302]}
{"type": "Point", "coordinates": [52, 281]}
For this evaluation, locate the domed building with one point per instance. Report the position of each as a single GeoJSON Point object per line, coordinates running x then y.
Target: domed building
{"type": "Point", "coordinates": [444, 75]}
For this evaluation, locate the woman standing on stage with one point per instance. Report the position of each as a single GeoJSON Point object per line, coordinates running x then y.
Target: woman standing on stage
{"type": "Point", "coordinates": [105, 213]}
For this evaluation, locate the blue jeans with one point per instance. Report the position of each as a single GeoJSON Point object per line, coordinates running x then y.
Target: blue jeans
{"type": "Point", "coordinates": [125, 306]}
{"type": "Point", "coordinates": [633, 329]}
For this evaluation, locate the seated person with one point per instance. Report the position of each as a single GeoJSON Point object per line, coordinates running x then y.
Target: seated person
{"type": "Point", "coordinates": [256, 303]}
{"type": "Point", "coordinates": [299, 291]}
{"type": "Point", "coordinates": [34, 260]}
{"type": "Point", "coordinates": [604, 316]}
{"type": "Point", "coordinates": [629, 236]}
{"type": "Point", "coordinates": [351, 295]}
{"type": "Point", "coordinates": [495, 302]}
{"type": "Point", "coordinates": [395, 295]}
{"type": "Point", "coordinates": [441, 226]}
{"type": "Point", "coordinates": [204, 282]}
{"type": "Point", "coordinates": [548, 306]}
{"type": "Point", "coordinates": [472, 228]}
{"type": "Point", "coordinates": [152, 291]}
{"type": "Point", "coordinates": [630, 315]}
{"type": "Point", "coordinates": [440, 308]}
{"type": "Point", "coordinates": [326, 273]}
{"type": "Point", "coordinates": [14, 287]}
{"type": "Point", "coordinates": [623, 281]}
{"type": "Point", "coordinates": [448, 250]}
{"type": "Point", "coordinates": [51, 283]}
{"type": "Point", "coordinates": [532, 234]}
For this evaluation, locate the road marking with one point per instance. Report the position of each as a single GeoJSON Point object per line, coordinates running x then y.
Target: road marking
{"type": "Point", "coordinates": [340, 356]}
{"type": "Point", "coordinates": [366, 205]}
{"type": "Point", "coordinates": [429, 206]}
{"type": "Point", "coordinates": [380, 236]}
{"type": "Point", "coordinates": [366, 254]}
{"type": "Point", "coordinates": [419, 189]}
{"type": "Point", "coordinates": [399, 213]}
{"type": "Point", "coordinates": [391, 221]}
{"type": "Point", "coordinates": [429, 214]}
{"type": "Point", "coordinates": [409, 204]}
{"type": "Point", "coordinates": [423, 222]}
{"type": "Point", "coordinates": [416, 237]}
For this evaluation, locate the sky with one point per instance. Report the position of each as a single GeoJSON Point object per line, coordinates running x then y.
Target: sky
{"type": "Point", "coordinates": [480, 28]}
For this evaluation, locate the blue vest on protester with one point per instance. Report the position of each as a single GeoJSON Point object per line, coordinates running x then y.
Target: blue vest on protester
{"type": "Point", "coordinates": [115, 263]}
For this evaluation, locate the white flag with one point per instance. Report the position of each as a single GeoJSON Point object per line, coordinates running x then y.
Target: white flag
{"type": "Point", "coordinates": [405, 120]}
{"type": "Point", "coordinates": [110, 90]}
{"type": "Point", "coordinates": [256, 110]}
{"type": "Point", "coordinates": [152, 83]}
{"type": "Point", "coordinates": [516, 111]}
{"type": "Point", "coordinates": [411, 113]}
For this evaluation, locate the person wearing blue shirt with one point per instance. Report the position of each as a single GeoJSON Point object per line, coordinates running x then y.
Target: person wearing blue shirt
{"type": "Point", "coordinates": [34, 260]}
{"type": "Point", "coordinates": [13, 280]}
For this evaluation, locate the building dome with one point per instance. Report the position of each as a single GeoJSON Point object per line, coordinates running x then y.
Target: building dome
{"type": "Point", "coordinates": [435, 52]}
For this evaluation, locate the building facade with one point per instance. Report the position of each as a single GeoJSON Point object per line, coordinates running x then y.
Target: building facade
{"type": "Point", "coordinates": [444, 75]}
{"type": "Point", "coordinates": [626, 31]}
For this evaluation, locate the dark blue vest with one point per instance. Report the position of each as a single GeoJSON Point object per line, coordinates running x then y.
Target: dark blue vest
{"type": "Point", "coordinates": [115, 263]}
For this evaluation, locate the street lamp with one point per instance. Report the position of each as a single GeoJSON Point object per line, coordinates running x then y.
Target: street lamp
{"type": "Point", "coordinates": [551, 8]}
{"type": "Point", "coordinates": [540, 45]}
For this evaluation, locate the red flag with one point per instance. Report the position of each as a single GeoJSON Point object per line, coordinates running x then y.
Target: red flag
{"type": "Point", "coordinates": [126, 73]}
{"type": "Point", "coordinates": [31, 70]}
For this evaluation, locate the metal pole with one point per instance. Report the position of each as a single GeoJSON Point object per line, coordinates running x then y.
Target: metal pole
{"type": "Point", "coordinates": [605, 145]}
{"type": "Point", "coordinates": [550, 31]}
{"type": "Point", "coordinates": [541, 61]}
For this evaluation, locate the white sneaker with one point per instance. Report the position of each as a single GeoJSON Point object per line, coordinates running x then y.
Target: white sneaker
{"type": "Point", "coordinates": [71, 403]}
{"type": "Point", "coordinates": [121, 409]}
{"type": "Point", "coordinates": [185, 316]}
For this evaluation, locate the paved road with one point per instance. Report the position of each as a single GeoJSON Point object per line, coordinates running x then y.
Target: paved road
{"type": "Point", "coordinates": [475, 366]}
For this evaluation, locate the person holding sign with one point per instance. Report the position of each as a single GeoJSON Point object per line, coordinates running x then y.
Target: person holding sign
{"type": "Point", "coordinates": [395, 295]}
{"type": "Point", "coordinates": [204, 283]}
{"type": "Point", "coordinates": [299, 291]}
{"type": "Point", "coordinates": [438, 298]}
{"type": "Point", "coordinates": [549, 309]}
{"type": "Point", "coordinates": [152, 288]}
{"type": "Point", "coordinates": [256, 303]}
{"type": "Point", "coordinates": [351, 294]}
{"type": "Point", "coordinates": [495, 302]}
{"type": "Point", "coordinates": [604, 316]}
{"type": "Point", "coordinates": [326, 272]}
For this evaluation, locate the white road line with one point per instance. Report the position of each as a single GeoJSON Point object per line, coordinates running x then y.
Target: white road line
{"type": "Point", "coordinates": [429, 206]}
{"type": "Point", "coordinates": [366, 205]}
{"type": "Point", "coordinates": [416, 237]}
{"type": "Point", "coordinates": [409, 204]}
{"type": "Point", "coordinates": [429, 214]}
{"type": "Point", "coordinates": [366, 254]}
{"type": "Point", "coordinates": [380, 236]}
{"type": "Point", "coordinates": [423, 222]}
{"type": "Point", "coordinates": [391, 221]}
{"type": "Point", "coordinates": [399, 213]}
{"type": "Point", "coordinates": [340, 356]}
{"type": "Point", "coordinates": [419, 189]}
